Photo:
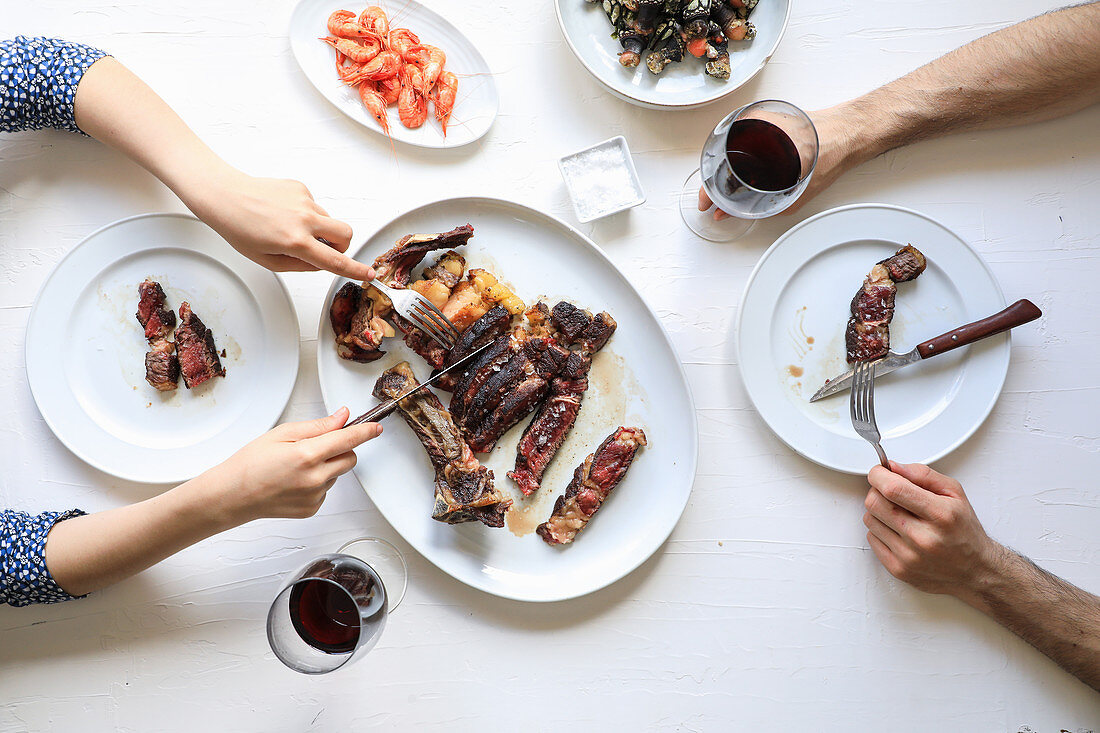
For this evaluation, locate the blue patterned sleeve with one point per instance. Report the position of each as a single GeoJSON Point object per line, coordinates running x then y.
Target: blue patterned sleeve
{"type": "Point", "coordinates": [24, 578]}
{"type": "Point", "coordinates": [38, 81]}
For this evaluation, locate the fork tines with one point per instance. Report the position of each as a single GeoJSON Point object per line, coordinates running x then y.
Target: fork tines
{"type": "Point", "coordinates": [862, 407]}
{"type": "Point", "coordinates": [432, 321]}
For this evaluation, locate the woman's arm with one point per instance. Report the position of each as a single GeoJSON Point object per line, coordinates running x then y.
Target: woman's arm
{"type": "Point", "coordinates": [1039, 69]}
{"type": "Point", "coordinates": [273, 222]}
{"type": "Point", "coordinates": [925, 532]}
{"type": "Point", "coordinates": [283, 473]}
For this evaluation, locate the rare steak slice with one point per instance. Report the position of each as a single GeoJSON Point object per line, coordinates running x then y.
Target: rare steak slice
{"type": "Point", "coordinates": [867, 336]}
{"type": "Point", "coordinates": [157, 319]}
{"type": "Point", "coordinates": [162, 368]}
{"type": "Point", "coordinates": [592, 483]}
{"type": "Point", "coordinates": [464, 490]}
{"type": "Point", "coordinates": [198, 356]}
{"type": "Point", "coordinates": [556, 416]}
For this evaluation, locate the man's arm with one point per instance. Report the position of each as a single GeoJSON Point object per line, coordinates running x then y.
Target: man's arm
{"type": "Point", "coordinates": [925, 532]}
{"type": "Point", "coordinates": [1035, 70]}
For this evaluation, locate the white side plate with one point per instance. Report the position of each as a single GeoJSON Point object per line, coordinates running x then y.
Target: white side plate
{"type": "Point", "coordinates": [476, 103]}
{"type": "Point", "coordinates": [790, 337]}
{"type": "Point", "coordinates": [86, 350]}
{"type": "Point", "coordinates": [682, 85]}
{"type": "Point", "coordinates": [636, 380]}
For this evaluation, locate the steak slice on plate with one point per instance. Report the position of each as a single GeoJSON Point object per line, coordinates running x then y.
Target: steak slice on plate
{"type": "Point", "coordinates": [198, 356]}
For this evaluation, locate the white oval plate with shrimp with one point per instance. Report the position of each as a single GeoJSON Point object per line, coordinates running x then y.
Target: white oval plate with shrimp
{"type": "Point", "coordinates": [682, 85]}
{"type": "Point", "coordinates": [476, 102]}
{"type": "Point", "coordinates": [636, 379]}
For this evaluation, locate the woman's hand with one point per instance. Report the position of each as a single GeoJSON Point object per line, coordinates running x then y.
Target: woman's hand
{"type": "Point", "coordinates": [276, 223]}
{"type": "Point", "coordinates": [287, 470]}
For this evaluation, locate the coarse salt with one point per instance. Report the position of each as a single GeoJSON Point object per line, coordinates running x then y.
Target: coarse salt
{"type": "Point", "coordinates": [601, 180]}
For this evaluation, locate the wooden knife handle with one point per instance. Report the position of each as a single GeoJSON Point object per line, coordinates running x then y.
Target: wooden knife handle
{"type": "Point", "coordinates": [1017, 314]}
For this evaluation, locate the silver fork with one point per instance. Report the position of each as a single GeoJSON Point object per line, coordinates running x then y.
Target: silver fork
{"type": "Point", "coordinates": [420, 311]}
{"type": "Point", "coordinates": [862, 406]}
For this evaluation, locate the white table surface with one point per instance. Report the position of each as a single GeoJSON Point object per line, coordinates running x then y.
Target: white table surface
{"type": "Point", "coordinates": [765, 610]}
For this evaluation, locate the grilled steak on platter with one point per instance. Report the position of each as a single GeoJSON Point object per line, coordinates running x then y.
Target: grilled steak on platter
{"type": "Point", "coordinates": [464, 490]}
{"type": "Point", "coordinates": [592, 482]}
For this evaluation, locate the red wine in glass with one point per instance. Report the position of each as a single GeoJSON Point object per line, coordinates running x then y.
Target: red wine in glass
{"type": "Point", "coordinates": [755, 163]}
{"type": "Point", "coordinates": [761, 155]}
{"type": "Point", "coordinates": [333, 609]}
{"type": "Point", "coordinates": [324, 616]}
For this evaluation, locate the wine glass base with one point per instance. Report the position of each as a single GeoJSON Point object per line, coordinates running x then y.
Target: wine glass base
{"type": "Point", "coordinates": [386, 560]}
{"type": "Point", "coordinates": [703, 222]}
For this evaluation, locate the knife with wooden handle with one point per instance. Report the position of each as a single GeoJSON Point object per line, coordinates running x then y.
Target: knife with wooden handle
{"type": "Point", "coordinates": [1021, 312]}
{"type": "Point", "coordinates": [385, 408]}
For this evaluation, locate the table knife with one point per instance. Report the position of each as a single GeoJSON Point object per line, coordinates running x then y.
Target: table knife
{"type": "Point", "coordinates": [385, 408]}
{"type": "Point", "coordinates": [1017, 314]}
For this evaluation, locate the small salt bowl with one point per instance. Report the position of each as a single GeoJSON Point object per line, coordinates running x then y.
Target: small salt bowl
{"type": "Point", "coordinates": [602, 180]}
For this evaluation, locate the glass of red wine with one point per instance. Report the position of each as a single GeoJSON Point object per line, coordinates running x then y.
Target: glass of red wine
{"type": "Point", "coordinates": [332, 611]}
{"type": "Point", "coordinates": [755, 164]}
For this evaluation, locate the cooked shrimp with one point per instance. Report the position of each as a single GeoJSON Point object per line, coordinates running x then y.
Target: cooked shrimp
{"type": "Point", "coordinates": [383, 66]}
{"type": "Point", "coordinates": [412, 106]}
{"type": "Point", "coordinates": [375, 104]}
{"type": "Point", "coordinates": [374, 19]}
{"type": "Point", "coordinates": [430, 60]}
{"type": "Point", "coordinates": [359, 53]}
{"type": "Point", "coordinates": [402, 39]}
{"type": "Point", "coordinates": [446, 89]}
{"type": "Point", "coordinates": [390, 89]}
{"type": "Point", "coordinates": [343, 24]}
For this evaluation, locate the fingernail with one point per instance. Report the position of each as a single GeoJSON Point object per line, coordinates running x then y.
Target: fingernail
{"type": "Point", "coordinates": [370, 273]}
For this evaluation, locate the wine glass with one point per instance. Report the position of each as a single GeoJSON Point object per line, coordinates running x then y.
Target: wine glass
{"type": "Point", "coordinates": [333, 610]}
{"type": "Point", "coordinates": [755, 163]}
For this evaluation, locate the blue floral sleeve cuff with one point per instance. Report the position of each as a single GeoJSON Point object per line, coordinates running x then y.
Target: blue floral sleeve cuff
{"type": "Point", "coordinates": [38, 81]}
{"type": "Point", "coordinates": [24, 577]}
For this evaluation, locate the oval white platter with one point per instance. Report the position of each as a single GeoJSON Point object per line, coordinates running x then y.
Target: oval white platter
{"type": "Point", "coordinates": [636, 380]}
{"type": "Point", "coordinates": [476, 103]}
{"type": "Point", "coordinates": [790, 337]}
{"type": "Point", "coordinates": [86, 350]}
{"type": "Point", "coordinates": [682, 85]}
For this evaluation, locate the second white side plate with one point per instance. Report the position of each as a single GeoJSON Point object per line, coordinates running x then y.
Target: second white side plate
{"type": "Point", "coordinates": [790, 337]}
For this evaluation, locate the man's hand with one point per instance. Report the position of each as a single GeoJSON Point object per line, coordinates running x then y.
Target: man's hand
{"type": "Point", "coordinates": [287, 470]}
{"type": "Point", "coordinates": [277, 224]}
{"type": "Point", "coordinates": [840, 148]}
{"type": "Point", "coordinates": [925, 532]}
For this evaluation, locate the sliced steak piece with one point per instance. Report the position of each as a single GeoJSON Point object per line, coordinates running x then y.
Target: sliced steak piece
{"type": "Point", "coordinates": [464, 490]}
{"type": "Point", "coordinates": [198, 356]}
{"type": "Point", "coordinates": [548, 429]}
{"type": "Point", "coordinates": [867, 335]}
{"type": "Point", "coordinates": [906, 264]}
{"type": "Point", "coordinates": [157, 319]}
{"type": "Point", "coordinates": [592, 482]}
{"type": "Point", "coordinates": [490, 326]}
{"type": "Point", "coordinates": [522, 386]}
{"type": "Point", "coordinates": [162, 367]}
{"type": "Point", "coordinates": [553, 421]}
{"type": "Point", "coordinates": [358, 329]}
{"type": "Point", "coordinates": [395, 266]}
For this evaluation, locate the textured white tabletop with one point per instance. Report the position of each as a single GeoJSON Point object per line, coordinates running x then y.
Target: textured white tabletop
{"type": "Point", "coordinates": [765, 610]}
